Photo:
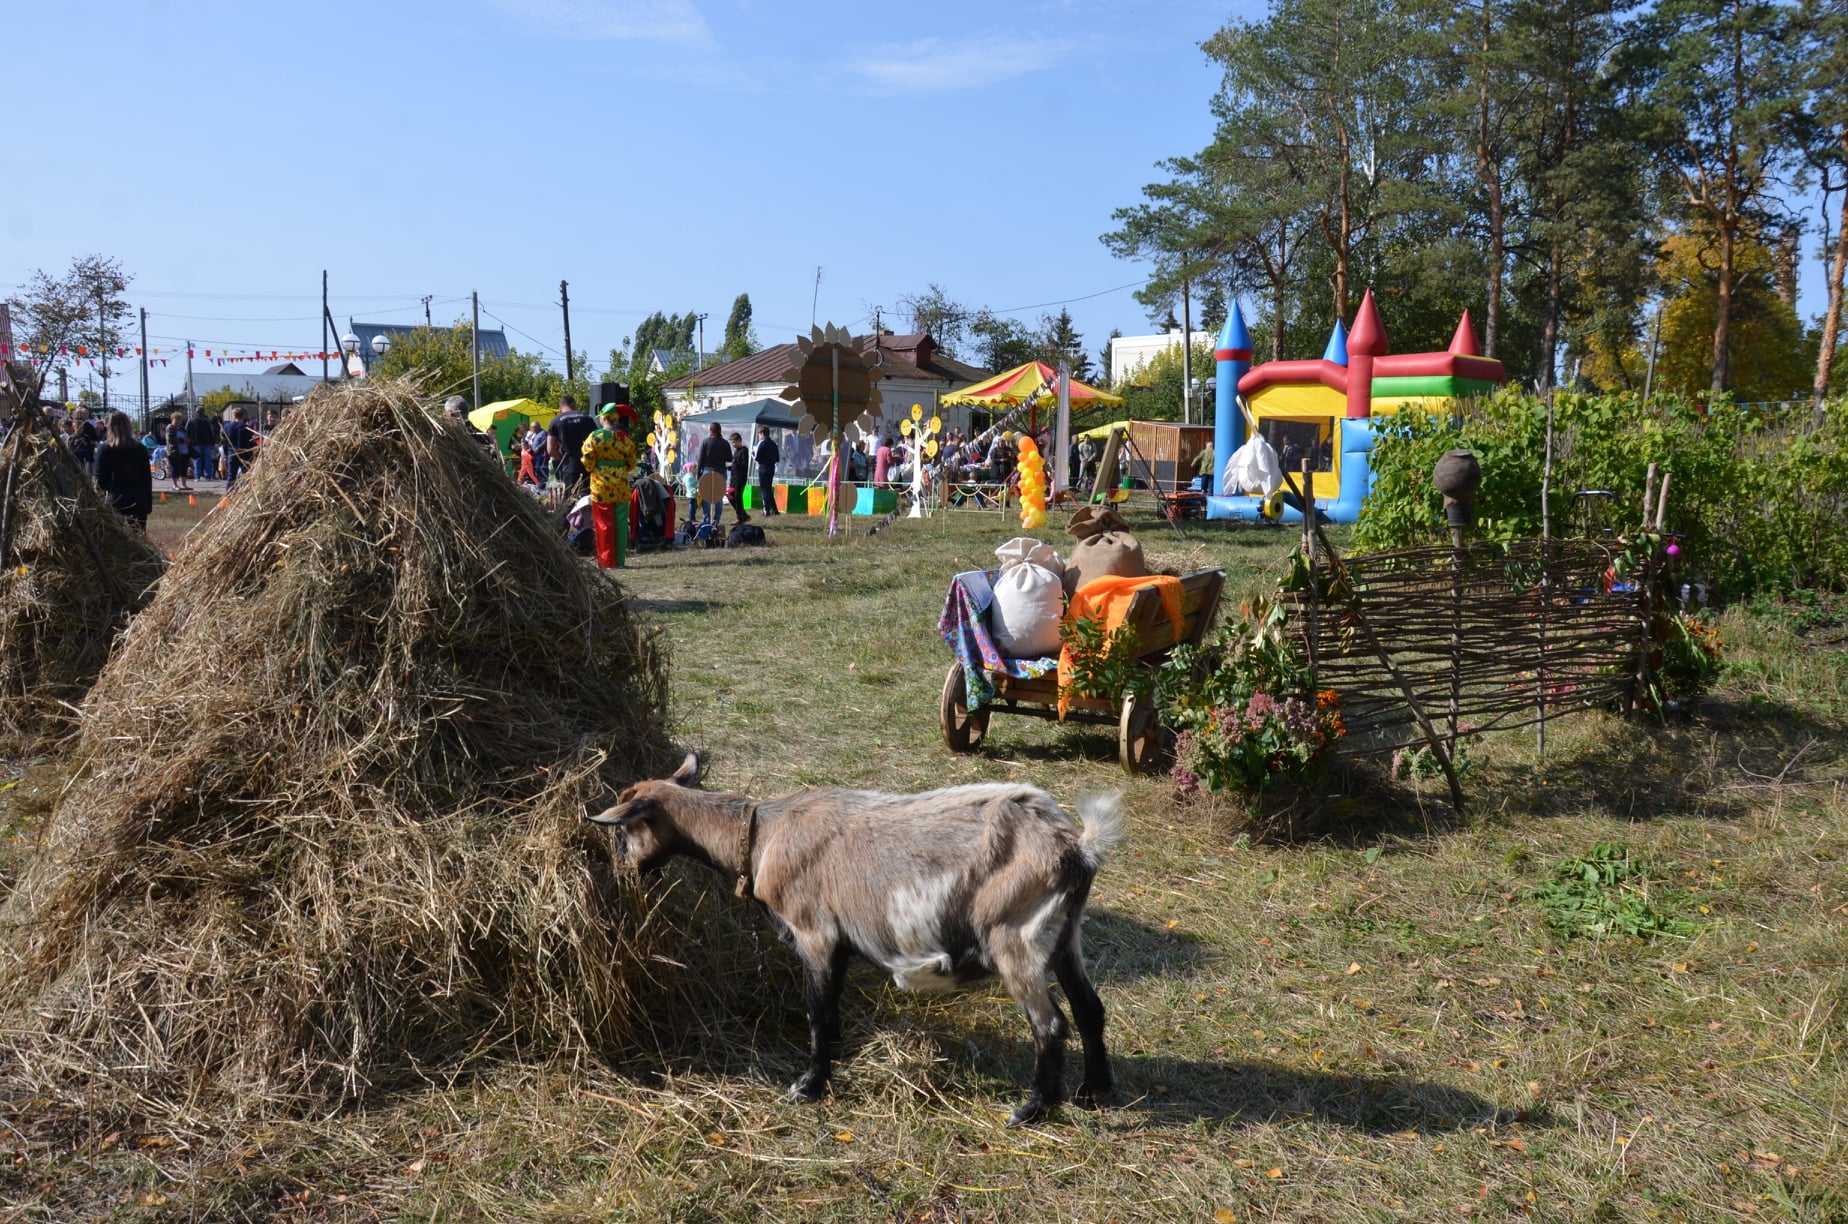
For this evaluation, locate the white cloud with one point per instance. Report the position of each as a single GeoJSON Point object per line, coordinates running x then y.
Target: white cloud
{"type": "Point", "coordinates": [934, 64]}
{"type": "Point", "coordinates": [664, 21]}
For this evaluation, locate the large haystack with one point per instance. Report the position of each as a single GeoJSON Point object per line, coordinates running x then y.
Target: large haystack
{"type": "Point", "coordinates": [71, 571]}
{"type": "Point", "coordinates": [327, 818]}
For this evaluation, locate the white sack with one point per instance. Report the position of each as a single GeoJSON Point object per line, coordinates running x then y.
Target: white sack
{"type": "Point", "coordinates": [1029, 600]}
{"type": "Point", "coordinates": [1253, 468]}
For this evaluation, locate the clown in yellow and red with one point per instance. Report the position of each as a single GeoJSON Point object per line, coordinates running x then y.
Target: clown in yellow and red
{"type": "Point", "coordinates": [609, 458]}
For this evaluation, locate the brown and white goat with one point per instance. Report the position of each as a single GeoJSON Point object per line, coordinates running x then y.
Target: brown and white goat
{"type": "Point", "coordinates": [938, 889]}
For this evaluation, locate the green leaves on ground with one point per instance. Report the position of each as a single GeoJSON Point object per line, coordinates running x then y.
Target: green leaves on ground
{"type": "Point", "coordinates": [1605, 895]}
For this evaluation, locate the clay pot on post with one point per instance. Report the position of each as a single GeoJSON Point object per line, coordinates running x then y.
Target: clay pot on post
{"type": "Point", "coordinates": [1457, 476]}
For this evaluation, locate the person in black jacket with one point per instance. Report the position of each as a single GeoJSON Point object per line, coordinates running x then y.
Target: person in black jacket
{"type": "Point", "coordinates": [202, 438]}
{"type": "Point", "coordinates": [714, 456]}
{"type": "Point", "coordinates": [123, 472]}
{"type": "Point", "coordinates": [768, 456]}
{"type": "Point", "coordinates": [734, 483]}
{"type": "Point", "coordinates": [240, 446]}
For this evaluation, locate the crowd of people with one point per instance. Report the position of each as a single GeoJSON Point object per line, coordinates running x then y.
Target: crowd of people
{"type": "Point", "coordinates": [579, 455]}
{"type": "Point", "coordinates": [185, 448]}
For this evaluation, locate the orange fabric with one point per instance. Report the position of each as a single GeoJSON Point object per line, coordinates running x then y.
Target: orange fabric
{"type": "Point", "coordinates": [1109, 598]}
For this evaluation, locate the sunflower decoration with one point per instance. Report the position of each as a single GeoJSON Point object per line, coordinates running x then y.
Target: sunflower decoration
{"type": "Point", "coordinates": [922, 433]}
{"type": "Point", "coordinates": [666, 442]}
{"type": "Point", "coordinates": [836, 383]}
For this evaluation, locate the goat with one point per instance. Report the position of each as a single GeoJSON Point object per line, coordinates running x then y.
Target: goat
{"type": "Point", "coordinates": [938, 889]}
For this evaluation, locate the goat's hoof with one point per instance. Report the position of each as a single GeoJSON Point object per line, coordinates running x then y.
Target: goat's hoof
{"type": "Point", "coordinates": [810, 1087]}
{"type": "Point", "coordinates": [1034, 1110]}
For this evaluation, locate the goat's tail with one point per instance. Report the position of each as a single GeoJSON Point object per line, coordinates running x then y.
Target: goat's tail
{"type": "Point", "coordinates": [1103, 827]}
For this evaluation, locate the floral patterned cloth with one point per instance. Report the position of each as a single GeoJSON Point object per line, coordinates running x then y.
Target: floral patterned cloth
{"type": "Point", "coordinates": [609, 458]}
{"type": "Point", "coordinates": [964, 626]}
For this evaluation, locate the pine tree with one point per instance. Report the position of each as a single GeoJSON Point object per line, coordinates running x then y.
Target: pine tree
{"type": "Point", "coordinates": [1724, 89]}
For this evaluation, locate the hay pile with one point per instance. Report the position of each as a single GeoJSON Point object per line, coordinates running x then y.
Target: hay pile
{"type": "Point", "coordinates": [326, 824]}
{"type": "Point", "coordinates": [71, 572]}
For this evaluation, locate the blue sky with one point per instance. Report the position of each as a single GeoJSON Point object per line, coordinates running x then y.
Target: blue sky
{"type": "Point", "coordinates": [658, 154]}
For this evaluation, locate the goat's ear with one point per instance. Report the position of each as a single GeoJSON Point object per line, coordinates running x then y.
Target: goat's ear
{"type": "Point", "coordinates": [688, 773]}
{"type": "Point", "coordinates": [623, 813]}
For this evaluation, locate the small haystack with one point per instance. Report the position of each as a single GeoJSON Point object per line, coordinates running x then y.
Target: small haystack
{"type": "Point", "coordinates": [326, 824]}
{"type": "Point", "coordinates": [71, 572]}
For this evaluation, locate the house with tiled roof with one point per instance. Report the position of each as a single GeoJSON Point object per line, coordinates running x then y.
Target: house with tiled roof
{"type": "Point", "coordinates": [912, 372]}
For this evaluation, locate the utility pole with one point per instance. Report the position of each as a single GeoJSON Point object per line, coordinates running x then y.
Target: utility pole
{"type": "Point", "coordinates": [474, 345]}
{"type": "Point", "coordinates": [102, 332]}
{"type": "Point", "coordinates": [816, 298]}
{"type": "Point", "coordinates": [1186, 354]}
{"type": "Point", "coordinates": [564, 302]}
{"type": "Point", "coordinates": [426, 302]}
{"type": "Point", "coordinates": [192, 401]}
{"type": "Point", "coordinates": [324, 318]}
{"type": "Point", "coordinates": [144, 367]}
{"type": "Point", "coordinates": [699, 354]}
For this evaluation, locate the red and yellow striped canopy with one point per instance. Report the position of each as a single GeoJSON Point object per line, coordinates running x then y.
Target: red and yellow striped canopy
{"type": "Point", "coordinates": [1016, 386]}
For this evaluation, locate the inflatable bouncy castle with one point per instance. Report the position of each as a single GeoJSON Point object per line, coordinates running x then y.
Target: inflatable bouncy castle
{"type": "Point", "coordinates": [1323, 411]}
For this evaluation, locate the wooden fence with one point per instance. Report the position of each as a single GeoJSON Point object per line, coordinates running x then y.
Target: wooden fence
{"type": "Point", "coordinates": [1425, 645]}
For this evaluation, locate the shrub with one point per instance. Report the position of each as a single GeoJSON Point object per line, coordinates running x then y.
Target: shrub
{"type": "Point", "coordinates": [1242, 707]}
{"type": "Point", "coordinates": [1755, 504]}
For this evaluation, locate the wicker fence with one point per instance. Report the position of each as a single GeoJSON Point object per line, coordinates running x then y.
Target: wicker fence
{"type": "Point", "coordinates": [1428, 644]}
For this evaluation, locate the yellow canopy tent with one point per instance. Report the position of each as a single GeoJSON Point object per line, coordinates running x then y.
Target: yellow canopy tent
{"type": "Point", "coordinates": [1014, 387]}
{"type": "Point", "coordinates": [1102, 430]}
{"type": "Point", "coordinates": [502, 417]}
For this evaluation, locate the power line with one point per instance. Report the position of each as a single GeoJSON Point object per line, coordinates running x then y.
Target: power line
{"type": "Point", "coordinates": [510, 327]}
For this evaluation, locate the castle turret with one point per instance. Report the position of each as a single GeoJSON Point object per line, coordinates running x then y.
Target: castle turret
{"type": "Point", "coordinates": [1463, 344]}
{"type": "Point", "coordinates": [1366, 342]}
{"type": "Point", "coordinates": [1233, 357]}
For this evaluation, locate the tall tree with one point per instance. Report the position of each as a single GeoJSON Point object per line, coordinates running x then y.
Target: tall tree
{"type": "Point", "coordinates": [1825, 79]}
{"type": "Point", "coordinates": [945, 319]}
{"type": "Point", "coordinates": [1724, 86]}
{"type": "Point", "coordinates": [1576, 169]}
{"type": "Point", "coordinates": [60, 317]}
{"type": "Point", "coordinates": [1065, 343]}
{"type": "Point", "coordinates": [740, 337]}
{"type": "Point", "coordinates": [1328, 86]}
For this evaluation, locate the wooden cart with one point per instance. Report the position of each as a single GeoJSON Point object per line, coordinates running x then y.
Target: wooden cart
{"type": "Point", "coordinates": [1138, 735]}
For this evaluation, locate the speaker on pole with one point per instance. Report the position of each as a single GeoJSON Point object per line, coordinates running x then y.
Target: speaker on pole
{"type": "Point", "coordinates": [611, 393]}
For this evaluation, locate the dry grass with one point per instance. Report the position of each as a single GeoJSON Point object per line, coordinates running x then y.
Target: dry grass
{"type": "Point", "coordinates": [1302, 1032]}
{"type": "Point", "coordinates": [322, 827]}
{"type": "Point", "coordinates": [72, 571]}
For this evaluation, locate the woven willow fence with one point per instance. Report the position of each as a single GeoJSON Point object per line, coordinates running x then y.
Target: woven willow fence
{"type": "Point", "coordinates": [1428, 644]}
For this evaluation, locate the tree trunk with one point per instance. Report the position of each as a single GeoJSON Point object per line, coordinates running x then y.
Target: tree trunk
{"type": "Point", "coordinates": [1832, 317]}
{"type": "Point", "coordinates": [1549, 328]}
{"type": "Point", "coordinates": [1490, 171]}
{"type": "Point", "coordinates": [1722, 314]}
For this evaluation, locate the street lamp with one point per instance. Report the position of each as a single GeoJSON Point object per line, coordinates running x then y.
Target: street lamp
{"type": "Point", "coordinates": [381, 343]}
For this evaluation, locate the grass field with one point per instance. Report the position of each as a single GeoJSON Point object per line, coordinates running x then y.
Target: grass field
{"type": "Point", "coordinates": [1375, 1025]}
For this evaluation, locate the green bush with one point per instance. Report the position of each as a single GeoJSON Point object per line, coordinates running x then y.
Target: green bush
{"type": "Point", "coordinates": [1756, 504]}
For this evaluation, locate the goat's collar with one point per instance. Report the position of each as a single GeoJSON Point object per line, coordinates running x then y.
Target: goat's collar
{"type": "Point", "coordinates": [747, 833]}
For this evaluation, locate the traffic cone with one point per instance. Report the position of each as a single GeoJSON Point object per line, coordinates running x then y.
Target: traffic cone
{"type": "Point", "coordinates": [191, 500]}
{"type": "Point", "coordinates": [163, 497]}
{"type": "Point", "coordinates": [223, 502]}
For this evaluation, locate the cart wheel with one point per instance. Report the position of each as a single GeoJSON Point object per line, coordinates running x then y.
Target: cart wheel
{"type": "Point", "coordinates": [962, 729]}
{"type": "Point", "coordinates": [1138, 734]}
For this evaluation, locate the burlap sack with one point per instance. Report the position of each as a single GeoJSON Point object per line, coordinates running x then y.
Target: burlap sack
{"type": "Point", "coordinates": [1106, 554]}
{"type": "Point", "coordinates": [1091, 520]}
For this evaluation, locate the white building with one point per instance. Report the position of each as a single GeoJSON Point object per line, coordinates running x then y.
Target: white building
{"type": "Point", "coordinates": [1129, 354]}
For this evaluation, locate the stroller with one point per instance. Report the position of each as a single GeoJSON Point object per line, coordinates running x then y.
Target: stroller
{"type": "Point", "coordinates": [651, 513]}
